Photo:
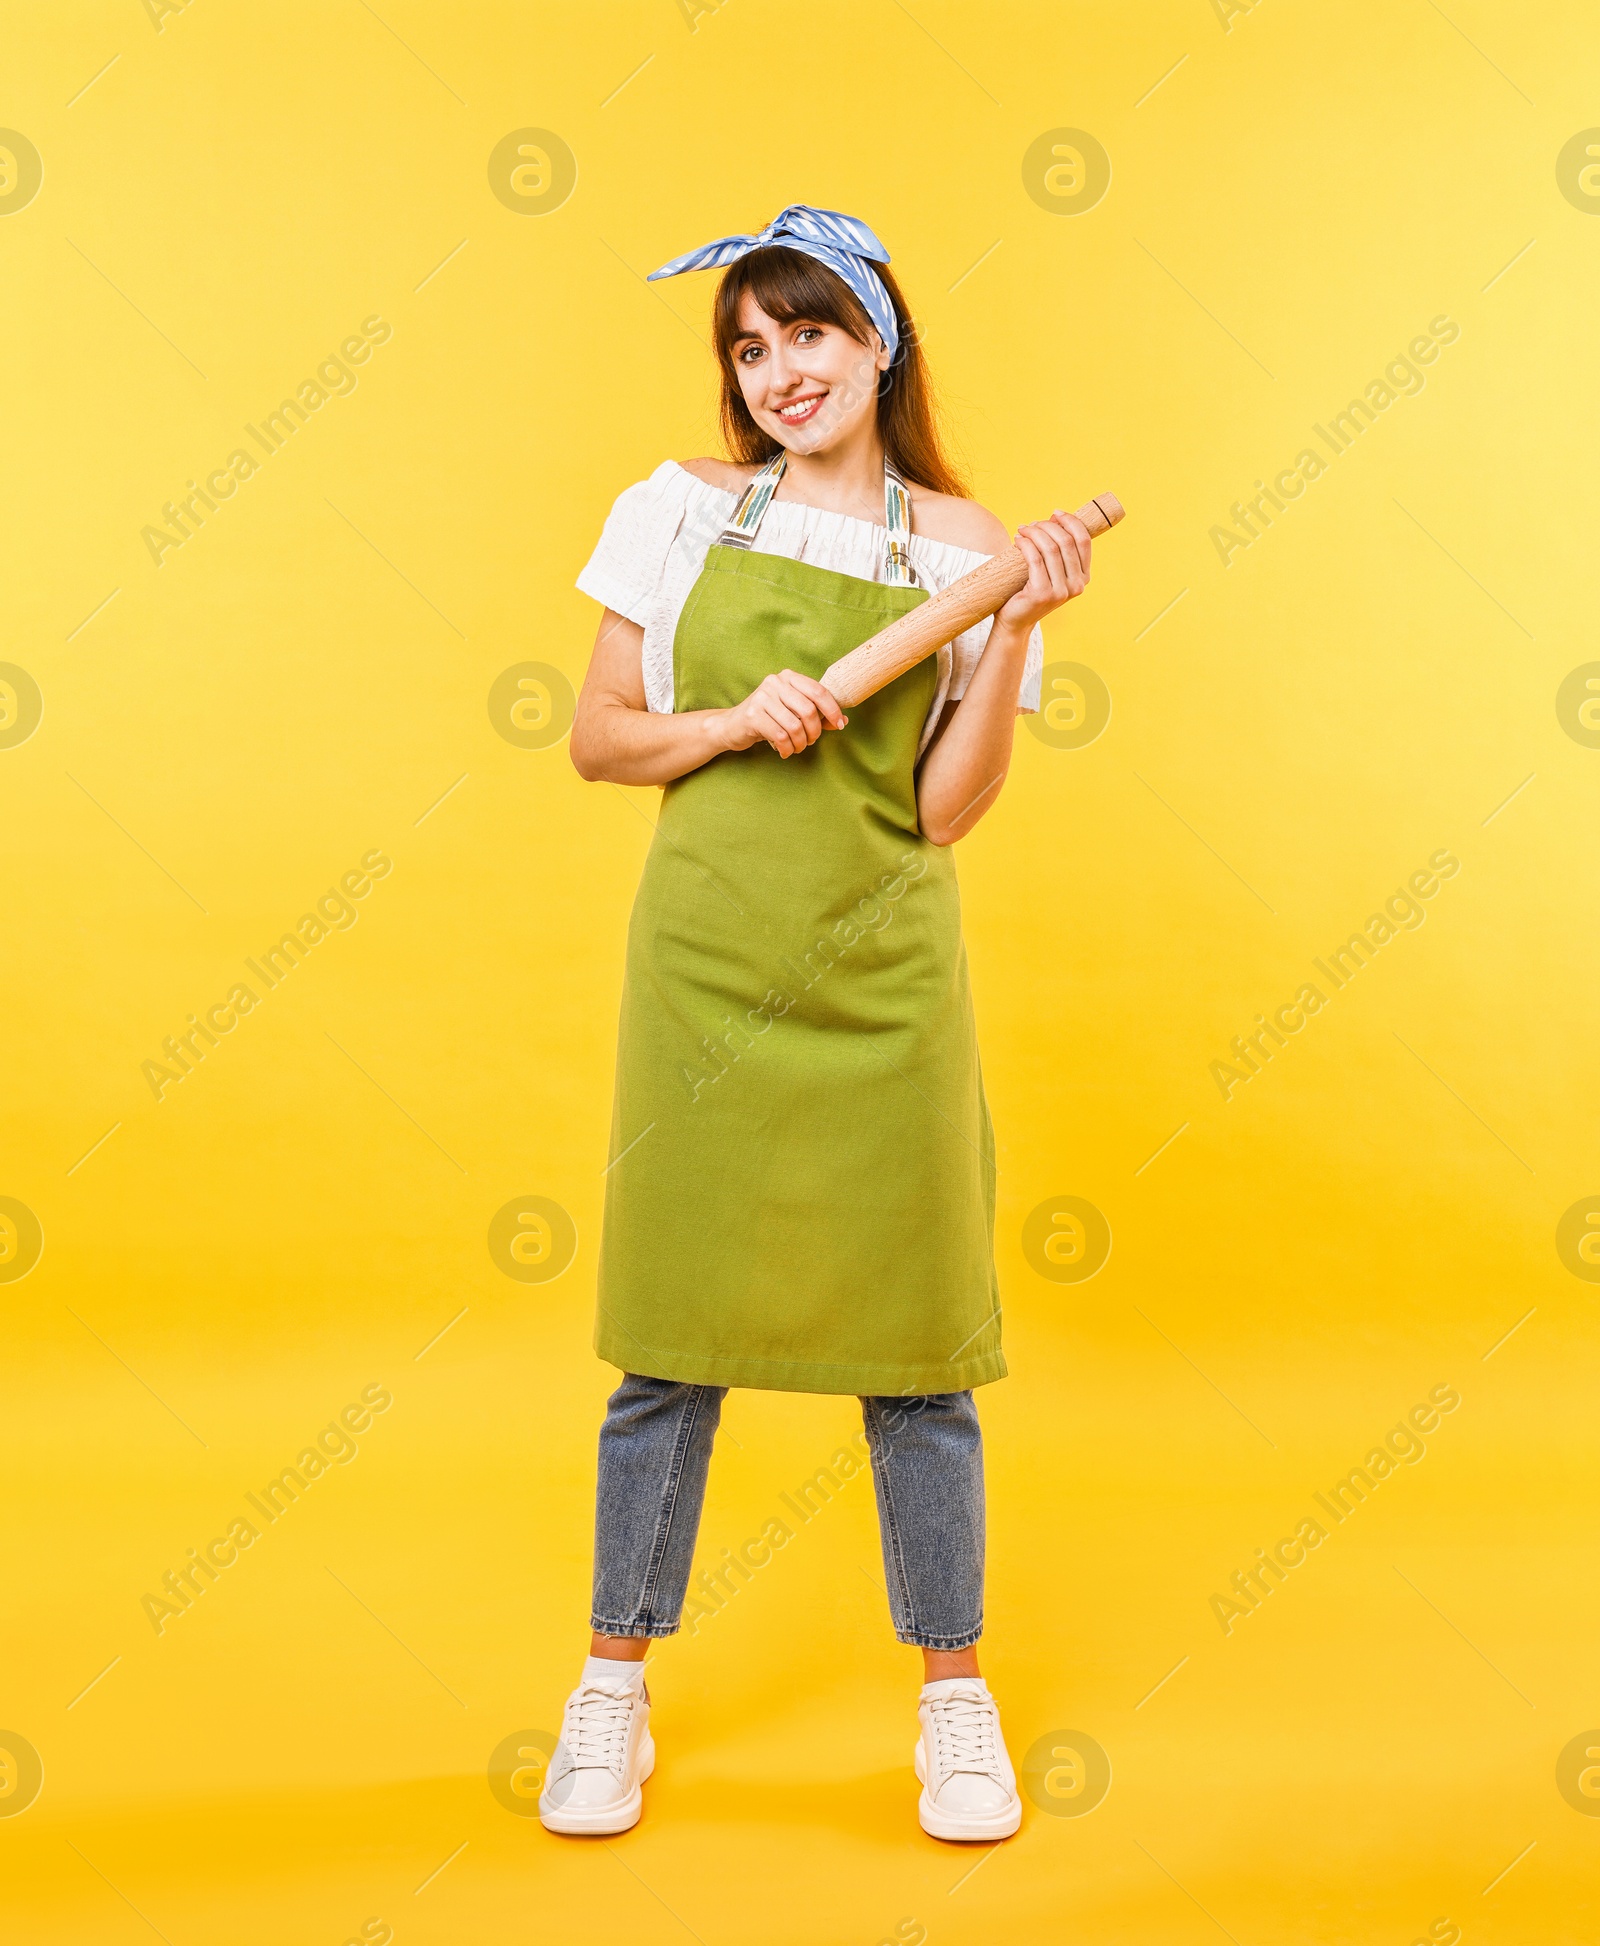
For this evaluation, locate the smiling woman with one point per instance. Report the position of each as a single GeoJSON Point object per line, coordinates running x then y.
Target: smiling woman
{"type": "Point", "coordinates": [797, 291]}
{"type": "Point", "coordinates": [826, 1224]}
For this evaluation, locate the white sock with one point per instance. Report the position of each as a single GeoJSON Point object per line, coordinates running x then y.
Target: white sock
{"type": "Point", "coordinates": [612, 1669]}
{"type": "Point", "coordinates": [932, 1691]}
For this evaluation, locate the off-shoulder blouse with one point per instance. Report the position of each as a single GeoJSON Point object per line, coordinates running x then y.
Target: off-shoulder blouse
{"type": "Point", "coordinates": [654, 546]}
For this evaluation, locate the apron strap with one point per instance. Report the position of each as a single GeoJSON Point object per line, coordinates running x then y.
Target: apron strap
{"type": "Point", "coordinates": [897, 518]}
{"type": "Point", "coordinates": [745, 521]}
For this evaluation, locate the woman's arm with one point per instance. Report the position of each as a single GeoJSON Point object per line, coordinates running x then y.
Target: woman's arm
{"type": "Point", "coordinates": [967, 761]}
{"type": "Point", "coordinates": [617, 740]}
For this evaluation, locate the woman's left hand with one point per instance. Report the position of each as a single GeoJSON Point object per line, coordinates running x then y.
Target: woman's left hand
{"type": "Point", "coordinates": [1057, 553]}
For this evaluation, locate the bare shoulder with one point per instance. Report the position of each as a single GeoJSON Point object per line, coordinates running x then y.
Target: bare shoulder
{"type": "Point", "coordinates": [727, 474]}
{"type": "Point", "coordinates": [957, 522]}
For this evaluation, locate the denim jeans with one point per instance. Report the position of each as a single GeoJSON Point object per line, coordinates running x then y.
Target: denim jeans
{"type": "Point", "coordinates": [927, 1469]}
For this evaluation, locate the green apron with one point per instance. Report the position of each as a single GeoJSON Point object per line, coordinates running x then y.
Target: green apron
{"type": "Point", "coordinates": [801, 1191]}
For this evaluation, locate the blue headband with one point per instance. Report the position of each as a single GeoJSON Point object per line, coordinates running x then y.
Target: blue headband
{"type": "Point", "coordinates": [843, 243]}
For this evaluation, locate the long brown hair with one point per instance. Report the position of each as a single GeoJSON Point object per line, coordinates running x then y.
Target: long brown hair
{"type": "Point", "coordinates": [790, 286]}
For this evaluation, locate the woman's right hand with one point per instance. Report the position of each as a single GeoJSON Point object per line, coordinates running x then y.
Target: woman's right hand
{"type": "Point", "coordinates": [787, 710]}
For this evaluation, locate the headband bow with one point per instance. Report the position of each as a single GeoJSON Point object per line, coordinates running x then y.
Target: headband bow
{"type": "Point", "coordinates": [843, 243]}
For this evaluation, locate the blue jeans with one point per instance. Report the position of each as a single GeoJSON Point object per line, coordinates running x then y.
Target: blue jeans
{"type": "Point", "coordinates": [927, 1467]}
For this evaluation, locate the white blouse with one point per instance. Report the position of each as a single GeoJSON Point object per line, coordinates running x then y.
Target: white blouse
{"type": "Point", "coordinates": [654, 546]}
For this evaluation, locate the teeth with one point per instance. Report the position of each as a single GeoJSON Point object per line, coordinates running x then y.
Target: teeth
{"type": "Point", "coordinates": [794, 411]}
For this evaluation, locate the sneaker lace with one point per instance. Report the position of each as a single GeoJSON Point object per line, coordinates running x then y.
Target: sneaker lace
{"type": "Point", "coordinates": [596, 1729]}
{"type": "Point", "coordinates": [966, 1729]}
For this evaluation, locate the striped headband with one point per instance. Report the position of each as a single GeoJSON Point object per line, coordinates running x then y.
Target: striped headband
{"type": "Point", "coordinates": [843, 243]}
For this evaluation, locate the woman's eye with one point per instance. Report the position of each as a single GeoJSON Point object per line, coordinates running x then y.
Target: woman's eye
{"type": "Point", "coordinates": [807, 331]}
{"type": "Point", "coordinates": [750, 352]}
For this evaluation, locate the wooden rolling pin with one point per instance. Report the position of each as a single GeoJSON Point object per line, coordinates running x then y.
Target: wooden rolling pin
{"type": "Point", "coordinates": [942, 617]}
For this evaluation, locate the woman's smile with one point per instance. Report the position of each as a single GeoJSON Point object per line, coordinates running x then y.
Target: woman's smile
{"type": "Point", "coordinates": [798, 411]}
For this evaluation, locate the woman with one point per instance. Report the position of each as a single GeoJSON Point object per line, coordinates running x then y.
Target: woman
{"type": "Point", "coordinates": [801, 1190]}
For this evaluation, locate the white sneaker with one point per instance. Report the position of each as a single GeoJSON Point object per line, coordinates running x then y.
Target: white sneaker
{"type": "Point", "coordinates": [605, 1753]}
{"type": "Point", "coordinates": [969, 1789]}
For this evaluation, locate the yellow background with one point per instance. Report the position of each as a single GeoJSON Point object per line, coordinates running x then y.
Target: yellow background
{"type": "Point", "coordinates": [303, 1215]}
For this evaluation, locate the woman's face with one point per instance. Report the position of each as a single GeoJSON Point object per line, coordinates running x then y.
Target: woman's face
{"type": "Point", "coordinates": [809, 385]}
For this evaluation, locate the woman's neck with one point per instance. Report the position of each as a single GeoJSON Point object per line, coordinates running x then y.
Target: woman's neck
{"type": "Point", "coordinates": [845, 479]}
